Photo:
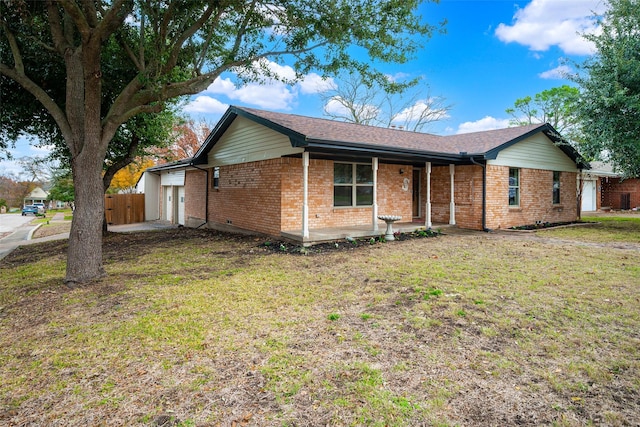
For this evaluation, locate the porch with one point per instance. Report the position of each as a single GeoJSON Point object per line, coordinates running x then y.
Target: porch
{"type": "Point", "coordinates": [319, 235]}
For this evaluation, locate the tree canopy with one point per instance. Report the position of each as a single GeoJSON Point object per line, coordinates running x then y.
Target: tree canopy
{"type": "Point", "coordinates": [77, 70]}
{"type": "Point", "coordinates": [609, 106]}
{"type": "Point", "coordinates": [556, 106]}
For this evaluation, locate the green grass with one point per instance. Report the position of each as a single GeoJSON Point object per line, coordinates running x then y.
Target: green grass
{"type": "Point", "coordinates": [445, 331]}
{"type": "Point", "coordinates": [624, 229]}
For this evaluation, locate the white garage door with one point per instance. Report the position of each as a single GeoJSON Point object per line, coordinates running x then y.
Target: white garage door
{"type": "Point", "coordinates": [181, 205]}
{"type": "Point", "coordinates": [589, 196]}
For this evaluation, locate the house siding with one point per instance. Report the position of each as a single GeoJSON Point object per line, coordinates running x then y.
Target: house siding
{"type": "Point", "coordinates": [246, 141]}
{"type": "Point", "coordinates": [536, 202]}
{"type": "Point", "coordinates": [535, 152]}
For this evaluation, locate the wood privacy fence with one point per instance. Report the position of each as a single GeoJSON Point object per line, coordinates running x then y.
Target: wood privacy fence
{"type": "Point", "coordinates": [124, 208]}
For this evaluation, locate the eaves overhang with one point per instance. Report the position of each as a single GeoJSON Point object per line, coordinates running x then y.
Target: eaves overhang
{"type": "Point", "coordinates": [317, 145]}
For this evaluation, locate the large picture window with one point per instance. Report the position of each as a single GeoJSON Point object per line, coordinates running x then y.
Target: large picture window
{"type": "Point", "coordinates": [514, 187]}
{"type": "Point", "coordinates": [556, 188]}
{"type": "Point", "coordinates": [352, 184]}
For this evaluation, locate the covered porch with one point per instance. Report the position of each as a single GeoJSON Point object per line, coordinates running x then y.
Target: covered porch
{"type": "Point", "coordinates": [320, 235]}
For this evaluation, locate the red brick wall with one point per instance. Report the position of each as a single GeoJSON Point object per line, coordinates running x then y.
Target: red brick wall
{"type": "Point", "coordinates": [392, 200]}
{"type": "Point", "coordinates": [536, 202]}
{"type": "Point", "coordinates": [614, 188]}
{"type": "Point", "coordinates": [468, 195]}
{"type": "Point", "coordinates": [248, 196]}
{"type": "Point", "coordinates": [195, 185]}
{"type": "Point", "coordinates": [266, 196]}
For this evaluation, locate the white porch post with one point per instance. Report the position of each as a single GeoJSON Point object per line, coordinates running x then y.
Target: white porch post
{"type": "Point", "coordinates": [427, 210]}
{"type": "Point", "coordinates": [452, 205]}
{"type": "Point", "coordinates": [305, 194]}
{"type": "Point", "coordinates": [374, 216]}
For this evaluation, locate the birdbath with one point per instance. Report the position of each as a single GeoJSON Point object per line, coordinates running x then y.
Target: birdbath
{"type": "Point", "coordinates": [389, 219]}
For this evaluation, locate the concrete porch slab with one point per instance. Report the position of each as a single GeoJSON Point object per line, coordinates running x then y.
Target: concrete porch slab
{"type": "Point", "coordinates": [320, 235]}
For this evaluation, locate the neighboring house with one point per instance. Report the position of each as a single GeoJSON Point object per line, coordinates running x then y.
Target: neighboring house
{"type": "Point", "coordinates": [294, 176]}
{"type": "Point", "coordinates": [604, 189]}
{"type": "Point", "coordinates": [37, 195]}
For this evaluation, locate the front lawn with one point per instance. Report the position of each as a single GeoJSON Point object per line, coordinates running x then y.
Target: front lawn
{"type": "Point", "coordinates": [197, 328]}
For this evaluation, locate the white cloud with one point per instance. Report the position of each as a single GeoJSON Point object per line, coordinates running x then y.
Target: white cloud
{"type": "Point", "coordinates": [221, 86]}
{"type": "Point", "coordinates": [268, 92]}
{"type": "Point", "coordinates": [205, 104]}
{"type": "Point", "coordinates": [486, 123]}
{"type": "Point", "coordinates": [275, 95]}
{"type": "Point", "coordinates": [545, 23]}
{"type": "Point", "coordinates": [314, 83]}
{"type": "Point", "coordinates": [558, 73]}
{"type": "Point", "coordinates": [336, 106]}
{"type": "Point", "coordinates": [420, 110]}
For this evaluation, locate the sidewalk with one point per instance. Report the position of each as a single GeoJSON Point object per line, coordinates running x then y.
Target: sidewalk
{"type": "Point", "coordinates": [23, 235]}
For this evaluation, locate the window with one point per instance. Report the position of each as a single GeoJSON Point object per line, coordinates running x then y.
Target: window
{"type": "Point", "coordinates": [556, 187]}
{"type": "Point", "coordinates": [352, 184]}
{"type": "Point", "coordinates": [514, 187]}
{"type": "Point", "coordinates": [215, 178]}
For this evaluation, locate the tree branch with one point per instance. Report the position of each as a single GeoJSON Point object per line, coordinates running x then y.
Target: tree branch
{"type": "Point", "coordinates": [42, 96]}
{"type": "Point", "coordinates": [60, 41]}
{"type": "Point", "coordinates": [15, 49]}
{"type": "Point", "coordinates": [187, 34]}
{"type": "Point", "coordinates": [75, 13]}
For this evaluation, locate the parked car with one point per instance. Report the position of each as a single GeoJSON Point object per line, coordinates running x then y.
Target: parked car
{"type": "Point", "coordinates": [41, 207]}
{"type": "Point", "coordinates": [30, 209]}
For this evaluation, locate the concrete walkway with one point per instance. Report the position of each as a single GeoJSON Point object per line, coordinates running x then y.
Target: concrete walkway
{"type": "Point", "coordinates": [23, 235]}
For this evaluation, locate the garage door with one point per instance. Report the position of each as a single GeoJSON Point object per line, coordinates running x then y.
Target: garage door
{"type": "Point", "coordinates": [181, 205]}
{"type": "Point", "coordinates": [589, 196]}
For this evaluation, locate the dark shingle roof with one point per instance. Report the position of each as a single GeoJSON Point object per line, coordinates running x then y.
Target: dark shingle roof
{"type": "Point", "coordinates": [335, 138]}
{"type": "Point", "coordinates": [323, 130]}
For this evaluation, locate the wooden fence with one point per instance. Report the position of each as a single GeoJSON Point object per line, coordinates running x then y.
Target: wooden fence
{"type": "Point", "coordinates": [124, 208]}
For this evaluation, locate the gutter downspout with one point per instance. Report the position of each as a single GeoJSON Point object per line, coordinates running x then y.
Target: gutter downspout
{"type": "Point", "coordinates": [484, 193]}
{"type": "Point", "coordinates": [206, 194]}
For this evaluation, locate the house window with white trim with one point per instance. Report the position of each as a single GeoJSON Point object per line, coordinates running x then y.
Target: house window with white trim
{"type": "Point", "coordinates": [352, 184]}
{"type": "Point", "coordinates": [215, 178]}
{"type": "Point", "coordinates": [514, 187]}
{"type": "Point", "coordinates": [556, 187]}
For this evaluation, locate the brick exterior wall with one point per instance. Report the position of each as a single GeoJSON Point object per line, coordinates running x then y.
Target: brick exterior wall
{"type": "Point", "coordinates": [195, 186]}
{"type": "Point", "coordinates": [536, 202]}
{"type": "Point", "coordinates": [467, 181]}
{"type": "Point", "coordinates": [266, 196]}
{"type": "Point", "coordinates": [614, 189]}
{"type": "Point", "coordinates": [392, 200]}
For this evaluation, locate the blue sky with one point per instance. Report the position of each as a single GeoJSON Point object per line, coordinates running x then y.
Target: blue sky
{"type": "Point", "coordinates": [493, 52]}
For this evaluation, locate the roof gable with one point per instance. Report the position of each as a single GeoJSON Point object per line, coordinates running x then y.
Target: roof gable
{"type": "Point", "coordinates": [323, 135]}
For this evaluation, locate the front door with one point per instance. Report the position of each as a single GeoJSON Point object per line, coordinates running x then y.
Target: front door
{"type": "Point", "coordinates": [416, 193]}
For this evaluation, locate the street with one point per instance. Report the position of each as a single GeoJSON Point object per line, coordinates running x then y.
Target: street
{"type": "Point", "coordinates": [18, 226]}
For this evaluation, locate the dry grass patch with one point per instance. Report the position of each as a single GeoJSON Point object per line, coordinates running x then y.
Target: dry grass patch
{"type": "Point", "coordinates": [199, 328]}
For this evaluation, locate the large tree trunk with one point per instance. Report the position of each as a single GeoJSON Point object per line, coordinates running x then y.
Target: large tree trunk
{"type": "Point", "coordinates": [87, 147]}
{"type": "Point", "coordinates": [84, 259]}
